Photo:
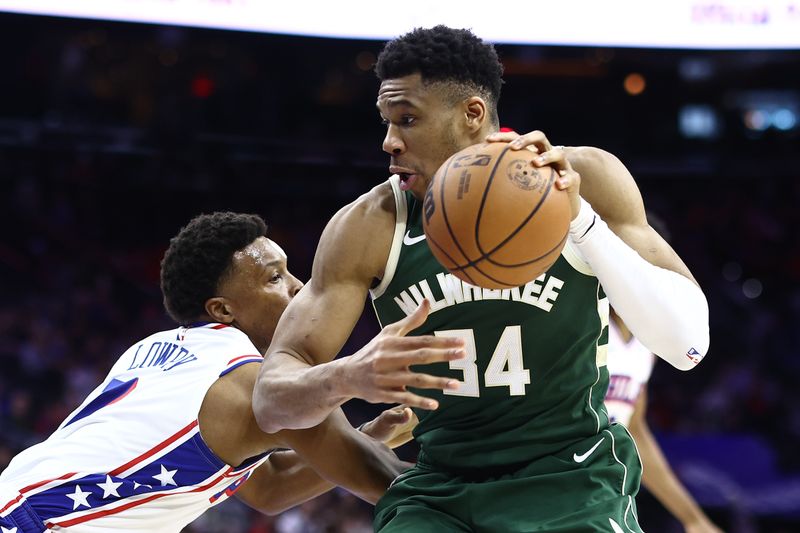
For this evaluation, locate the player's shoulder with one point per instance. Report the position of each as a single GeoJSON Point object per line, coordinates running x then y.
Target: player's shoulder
{"type": "Point", "coordinates": [359, 236]}
{"type": "Point", "coordinates": [366, 218]}
{"type": "Point", "coordinates": [219, 336]}
{"type": "Point", "coordinates": [374, 205]}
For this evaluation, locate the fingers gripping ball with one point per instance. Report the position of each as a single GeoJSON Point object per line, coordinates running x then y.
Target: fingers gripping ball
{"type": "Point", "coordinates": [493, 219]}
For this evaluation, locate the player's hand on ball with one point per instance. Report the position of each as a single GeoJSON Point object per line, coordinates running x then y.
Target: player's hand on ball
{"type": "Point", "coordinates": [393, 426]}
{"type": "Point", "coordinates": [379, 372]}
{"type": "Point", "coordinates": [555, 156]}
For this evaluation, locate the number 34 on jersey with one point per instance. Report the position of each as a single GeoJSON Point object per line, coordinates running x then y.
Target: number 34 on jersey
{"type": "Point", "coordinates": [505, 368]}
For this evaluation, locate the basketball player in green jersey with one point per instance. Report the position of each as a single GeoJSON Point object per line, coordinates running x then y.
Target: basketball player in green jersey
{"type": "Point", "coordinates": [519, 439]}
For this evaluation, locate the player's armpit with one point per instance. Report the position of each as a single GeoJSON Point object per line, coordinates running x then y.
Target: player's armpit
{"type": "Point", "coordinates": [346, 457]}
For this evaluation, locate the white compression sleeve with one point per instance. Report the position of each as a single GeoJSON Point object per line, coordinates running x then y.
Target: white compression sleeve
{"type": "Point", "coordinates": [666, 311]}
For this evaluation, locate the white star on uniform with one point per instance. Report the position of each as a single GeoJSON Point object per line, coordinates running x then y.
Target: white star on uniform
{"type": "Point", "coordinates": [136, 485]}
{"type": "Point", "coordinates": [165, 477]}
{"type": "Point", "coordinates": [12, 530]}
{"type": "Point", "coordinates": [79, 498]}
{"type": "Point", "coordinates": [109, 487]}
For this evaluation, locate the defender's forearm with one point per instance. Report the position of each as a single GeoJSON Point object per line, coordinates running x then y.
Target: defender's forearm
{"type": "Point", "coordinates": [282, 482]}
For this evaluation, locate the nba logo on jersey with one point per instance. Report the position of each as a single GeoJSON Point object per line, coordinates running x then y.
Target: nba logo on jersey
{"type": "Point", "coordinates": [694, 356]}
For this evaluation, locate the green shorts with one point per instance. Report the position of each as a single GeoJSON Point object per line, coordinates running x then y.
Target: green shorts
{"type": "Point", "coordinates": [589, 486]}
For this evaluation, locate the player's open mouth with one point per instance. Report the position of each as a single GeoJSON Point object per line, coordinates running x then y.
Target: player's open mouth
{"type": "Point", "coordinates": [407, 180]}
{"type": "Point", "coordinates": [406, 175]}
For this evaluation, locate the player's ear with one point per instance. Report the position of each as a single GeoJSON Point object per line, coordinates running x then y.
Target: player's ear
{"type": "Point", "coordinates": [219, 309]}
{"type": "Point", "coordinates": [475, 113]}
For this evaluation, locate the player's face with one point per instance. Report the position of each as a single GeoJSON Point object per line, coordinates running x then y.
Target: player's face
{"type": "Point", "coordinates": [423, 129]}
{"type": "Point", "coordinates": [258, 289]}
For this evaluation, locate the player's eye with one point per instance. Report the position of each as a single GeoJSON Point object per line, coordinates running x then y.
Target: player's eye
{"type": "Point", "coordinates": [407, 120]}
{"type": "Point", "coordinates": [276, 277]}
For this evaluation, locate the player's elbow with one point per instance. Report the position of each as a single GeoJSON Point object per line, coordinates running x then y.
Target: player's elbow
{"type": "Point", "coordinates": [263, 411]}
{"type": "Point", "coordinates": [267, 500]}
{"type": "Point", "coordinates": [681, 334]}
{"type": "Point", "coordinates": [276, 506]}
{"type": "Point", "coordinates": [271, 508]}
{"type": "Point", "coordinates": [680, 364]}
{"type": "Point", "coordinates": [687, 353]}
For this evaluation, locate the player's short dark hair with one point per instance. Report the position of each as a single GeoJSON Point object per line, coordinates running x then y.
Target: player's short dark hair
{"type": "Point", "coordinates": [442, 54]}
{"type": "Point", "coordinates": [199, 256]}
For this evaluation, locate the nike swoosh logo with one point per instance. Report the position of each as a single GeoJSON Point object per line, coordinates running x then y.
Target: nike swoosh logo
{"type": "Point", "coordinates": [408, 240]}
{"type": "Point", "coordinates": [581, 458]}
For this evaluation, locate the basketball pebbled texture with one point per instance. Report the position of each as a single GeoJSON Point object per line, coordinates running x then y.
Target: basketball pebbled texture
{"type": "Point", "coordinates": [493, 219]}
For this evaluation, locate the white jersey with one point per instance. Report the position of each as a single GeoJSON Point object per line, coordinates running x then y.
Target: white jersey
{"type": "Point", "coordinates": [131, 456]}
{"type": "Point", "coordinates": [629, 366]}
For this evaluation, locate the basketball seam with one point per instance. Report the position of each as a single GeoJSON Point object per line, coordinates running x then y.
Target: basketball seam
{"type": "Point", "coordinates": [455, 240]}
{"type": "Point", "coordinates": [430, 239]}
{"type": "Point", "coordinates": [530, 262]}
{"type": "Point", "coordinates": [487, 256]}
{"type": "Point", "coordinates": [521, 225]}
{"type": "Point", "coordinates": [444, 211]}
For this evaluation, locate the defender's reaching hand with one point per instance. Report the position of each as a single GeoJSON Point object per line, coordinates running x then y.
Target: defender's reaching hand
{"type": "Point", "coordinates": [393, 426]}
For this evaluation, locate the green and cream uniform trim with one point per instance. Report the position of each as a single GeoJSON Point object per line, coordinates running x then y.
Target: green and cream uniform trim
{"type": "Point", "coordinates": [535, 374]}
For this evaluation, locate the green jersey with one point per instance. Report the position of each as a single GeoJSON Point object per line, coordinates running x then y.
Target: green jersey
{"type": "Point", "coordinates": [535, 374]}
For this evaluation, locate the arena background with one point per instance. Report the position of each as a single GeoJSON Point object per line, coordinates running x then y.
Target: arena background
{"type": "Point", "coordinates": [114, 134]}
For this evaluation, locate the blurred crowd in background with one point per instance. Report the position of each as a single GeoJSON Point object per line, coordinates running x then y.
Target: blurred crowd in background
{"type": "Point", "coordinates": [112, 136]}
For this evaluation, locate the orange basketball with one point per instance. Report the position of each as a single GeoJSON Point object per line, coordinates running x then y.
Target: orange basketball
{"type": "Point", "coordinates": [493, 219]}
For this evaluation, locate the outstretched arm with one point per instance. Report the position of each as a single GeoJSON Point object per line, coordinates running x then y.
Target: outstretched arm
{"type": "Point", "coordinates": [660, 479]}
{"type": "Point", "coordinates": [346, 457]}
{"type": "Point", "coordinates": [286, 479]}
{"type": "Point", "coordinates": [293, 393]}
{"type": "Point", "coordinates": [283, 481]}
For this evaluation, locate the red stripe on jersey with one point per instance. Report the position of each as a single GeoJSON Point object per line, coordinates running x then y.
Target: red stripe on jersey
{"type": "Point", "coordinates": [12, 502]}
{"type": "Point", "coordinates": [154, 450]}
{"type": "Point", "coordinates": [40, 483]}
{"type": "Point", "coordinates": [220, 326]}
{"type": "Point", "coordinates": [243, 357]}
{"type": "Point", "coordinates": [107, 512]}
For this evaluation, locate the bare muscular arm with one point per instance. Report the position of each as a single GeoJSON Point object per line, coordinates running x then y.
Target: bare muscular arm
{"type": "Point", "coordinates": [660, 479]}
{"type": "Point", "coordinates": [293, 393]}
{"type": "Point", "coordinates": [608, 185]}
{"type": "Point", "coordinates": [331, 454]}
{"type": "Point", "coordinates": [285, 479]}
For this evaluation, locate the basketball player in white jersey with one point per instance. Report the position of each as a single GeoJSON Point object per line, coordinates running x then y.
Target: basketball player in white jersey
{"type": "Point", "coordinates": [170, 432]}
{"type": "Point", "coordinates": [629, 368]}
